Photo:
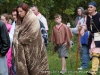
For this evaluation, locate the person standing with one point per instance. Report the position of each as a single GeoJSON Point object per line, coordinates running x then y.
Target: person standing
{"type": "Point", "coordinates": [77, 19]}
{"type": "Point", "coordinates": [14, 16]}
{"type": "Point", "coordinates": [4, 47]}
{"type": "Point", "coordinates": [30, 57]}
{"type": "Point", "coordinates": [5, 19]}
{"type": "Point", "coordinates": [40, 16]}
{"type": "Point", "coordinates": [93, 25]}
{"type": "Point", "coordinates": [84, 52]}
{"type": "Point", "coordinates": [79, 15]}
{"type": "Point", "coordinates": [44, 33]}
{"type": "Point", "coordinates": [43, 24]}
{"type": "Point", "coordinates": [11, 34]}
{"type": "Point", "coordinates": [60, 36]}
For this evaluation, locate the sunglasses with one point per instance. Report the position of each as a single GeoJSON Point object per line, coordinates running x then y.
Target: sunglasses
{"type": "Point", "coordinates": [90, 7]}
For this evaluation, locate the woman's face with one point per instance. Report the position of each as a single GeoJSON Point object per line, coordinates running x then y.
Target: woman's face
{"type": "Point", "coordinates": [79, 11]}
{"type": "Point", "coordinates": [21, 12]}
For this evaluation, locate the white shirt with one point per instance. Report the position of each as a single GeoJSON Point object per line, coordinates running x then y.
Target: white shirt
{"type": "Point", "coordinates": [43, 20]}
{"type": "Point", "coordinates": [12, 33]}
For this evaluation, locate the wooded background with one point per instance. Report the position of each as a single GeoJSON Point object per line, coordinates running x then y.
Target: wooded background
{"type": "Point", "coordinates": [67, 8]}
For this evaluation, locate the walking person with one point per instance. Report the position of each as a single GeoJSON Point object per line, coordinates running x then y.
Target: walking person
{"type": "Point", "coordinates": [61, 36]}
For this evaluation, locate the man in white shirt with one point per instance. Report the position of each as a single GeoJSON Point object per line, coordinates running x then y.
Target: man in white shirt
{"type": "Point", "coordinates": [40, 16]}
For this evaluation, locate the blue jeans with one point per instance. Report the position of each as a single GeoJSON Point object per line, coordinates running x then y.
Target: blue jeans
{"type": "Point", "coordinates": [85, 56]}
{"type": "Point", "coordinates": [3, 66]}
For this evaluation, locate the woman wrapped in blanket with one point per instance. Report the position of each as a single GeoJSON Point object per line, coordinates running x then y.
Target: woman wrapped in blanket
{"type": "Point", "coordinates": [31, 57]}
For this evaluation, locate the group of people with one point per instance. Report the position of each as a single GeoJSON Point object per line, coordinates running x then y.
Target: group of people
{"type": "Point", "coordinates": [87, 26]}
{"type": "Point", "coordinates": [88, 22]}
{"type": "Point", "coordinates": [27, 39]}
{"type": "Point", "coordinates": [24, 41]}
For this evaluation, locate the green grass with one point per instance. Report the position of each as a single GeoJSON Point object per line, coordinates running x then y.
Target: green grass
{"type": "Point", "coordinates": [55, 62]}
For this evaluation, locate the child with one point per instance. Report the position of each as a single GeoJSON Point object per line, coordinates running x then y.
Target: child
{"type": "Point", "coordinates": [60, 36]}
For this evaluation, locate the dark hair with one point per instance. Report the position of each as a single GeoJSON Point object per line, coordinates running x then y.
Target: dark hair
{"type": "Point", "coordinates": [24, 6]}
{"type": "Point", "coordinates": [14, 9]}
{"type": "Point", "coordinates": [85, 12]}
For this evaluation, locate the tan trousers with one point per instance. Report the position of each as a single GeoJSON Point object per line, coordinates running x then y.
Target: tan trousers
{"type": "Point", "coordinates": [95, 63]}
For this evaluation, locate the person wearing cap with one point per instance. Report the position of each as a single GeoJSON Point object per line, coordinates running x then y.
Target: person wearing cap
{"type": "Point", "coordinates": [93, 25]}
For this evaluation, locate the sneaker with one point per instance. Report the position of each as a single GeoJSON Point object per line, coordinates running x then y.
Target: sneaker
{"type": "Point", "coordinates": [80, 68]}
{"type": "Point", "coordinates": [63, 71]}
{"type": "Point", "coordinates": [91, 73]}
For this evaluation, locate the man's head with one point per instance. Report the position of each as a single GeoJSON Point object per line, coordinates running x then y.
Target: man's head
{"type": "Point", "coordinates": [34, 9]}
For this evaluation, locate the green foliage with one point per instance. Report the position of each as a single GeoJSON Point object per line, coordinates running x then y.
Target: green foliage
{"type": "Point", "coordinates": [69, 11]}
{"type": "Point", "coordinates": [67, 8]}
{"type": "Point", "coordinates": [2, 1]}
{"type": "Point", "coordinates": [51, 23]}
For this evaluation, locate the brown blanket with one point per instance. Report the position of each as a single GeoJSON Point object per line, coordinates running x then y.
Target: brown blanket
{"type": "Point", "coordinates": [31, 57]}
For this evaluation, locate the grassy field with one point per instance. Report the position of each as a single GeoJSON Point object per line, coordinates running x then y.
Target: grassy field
{"type": "Point", "coordinates": [55, 62]}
